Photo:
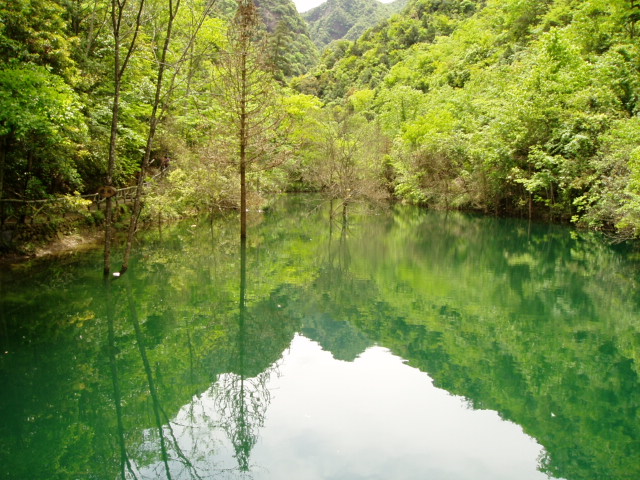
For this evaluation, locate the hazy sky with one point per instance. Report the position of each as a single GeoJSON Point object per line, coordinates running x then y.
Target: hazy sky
{"type": "Point", "coordinates": [304, 5]}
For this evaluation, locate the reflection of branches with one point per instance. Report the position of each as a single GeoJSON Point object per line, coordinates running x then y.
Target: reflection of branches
{"type": "Point", "coordinates": [242, 405]}
{"type": "Point", "coordinates": [147, 368]}
{"type": "Point", "coordinates": [117, 395]}
{"type": "Point", "coordinates": [158, 411]}
{"type": "Point", "coordinates": [242, 402]}
{"type": "Point", "coordinates": [344, 259]}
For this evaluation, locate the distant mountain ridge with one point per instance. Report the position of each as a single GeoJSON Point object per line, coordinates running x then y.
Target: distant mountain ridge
{"type": "Point", "coordinates": [347, 19]}
{"type": "Point", "coordinates": [294, 51]}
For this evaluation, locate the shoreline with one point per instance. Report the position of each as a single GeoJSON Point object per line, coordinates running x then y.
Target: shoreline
{"type": "Point", "coordinates": [63, 244]}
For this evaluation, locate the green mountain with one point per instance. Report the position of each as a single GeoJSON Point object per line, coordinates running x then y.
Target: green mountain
{"type": "Point", "coordinates": [367, 59]}
{"type": "Point", "coordinates": [293, 49]}
{"type": "Point", "coordinates": [347, 19]}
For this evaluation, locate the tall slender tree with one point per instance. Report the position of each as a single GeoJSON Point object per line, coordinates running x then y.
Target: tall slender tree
{"type": "Point", "coordinates": [160, 97]}
{"type": "Point", "coordinates": [248, 94]}
{"type": "Point", "coordinates": [173, 8]}
{"type": "Point", "coordinates": [119, 24]}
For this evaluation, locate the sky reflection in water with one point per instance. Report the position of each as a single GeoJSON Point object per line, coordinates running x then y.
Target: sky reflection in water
{"type": "Point", "coordinates": [333, 419]}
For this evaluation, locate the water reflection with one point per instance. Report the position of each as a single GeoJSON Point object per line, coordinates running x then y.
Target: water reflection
{"type": "Point", "coordinates": [242, 402]}
{"type": "Point", "coordinates": [115, 378]}
{"type": "Point", "coordinates": [307, 354]}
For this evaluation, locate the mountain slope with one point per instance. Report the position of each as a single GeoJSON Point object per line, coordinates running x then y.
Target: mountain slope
{"type": "Point", "coordinates": [292, 47]}
{"type": "Point", "coordinates": [518, 107]}
{"type": "Point", "coordinates": [365, 61]}
{"type": "Point", "coordinates": [347, 19]}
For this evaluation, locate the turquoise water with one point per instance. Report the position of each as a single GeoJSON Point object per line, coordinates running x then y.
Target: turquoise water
{"type": "Point", "coordinates": [404, 344]}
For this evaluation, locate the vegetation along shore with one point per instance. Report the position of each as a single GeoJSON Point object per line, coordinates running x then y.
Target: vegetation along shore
{"type": "Point", "coordinates": [510, 107]}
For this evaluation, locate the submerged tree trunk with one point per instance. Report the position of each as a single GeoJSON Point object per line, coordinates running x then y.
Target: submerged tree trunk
{"type": "Point", "coordinates": [108, 222]}
{"type": "Point", "coordinates": [243, 153]}
{"type": "Point", "coordinates": [156, 113]}
{"type": "Point", "coordinates": [247, 91]}
{"type": "Point", "coordinates": [119, 67]}
{"type": "Point", "coordinates": [153, 124]}
{"type": "Point", "coordinates": [246, 25]}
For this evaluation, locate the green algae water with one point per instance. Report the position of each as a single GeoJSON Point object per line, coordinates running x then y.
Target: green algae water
{"type": "Point", "coordinates": [393, 344]}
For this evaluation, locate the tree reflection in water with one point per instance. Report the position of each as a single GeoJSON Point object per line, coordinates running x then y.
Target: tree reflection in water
{"type": "Point", "coordinates": [242, 402]}
{"type": "Point", "coordinates": [115, 379]}
{"type": "Point", "coordinates": [235, 406]}
{"type": "Point", "coordinates": [539, 325]}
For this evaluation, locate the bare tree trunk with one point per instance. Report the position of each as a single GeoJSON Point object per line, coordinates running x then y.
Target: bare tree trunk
{"type": "Point", "coordinates": [153, 124]}
{"type": "Point", "coordinates": [246, 23]}
{"type": "Point", "coordinates": [155, 117]}
{"type": "Point", "coordinates": [247, 91]}
{"type": "Point", "coordinates": [243, 150]}
{"type": "Point", "coordinates": [119, 67]}
{"type": "Point", "coordinates": [108, 222]}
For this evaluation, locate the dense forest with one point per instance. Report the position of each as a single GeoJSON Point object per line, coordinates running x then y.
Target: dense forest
{"type": "Point", "coordinates": [517, 107]}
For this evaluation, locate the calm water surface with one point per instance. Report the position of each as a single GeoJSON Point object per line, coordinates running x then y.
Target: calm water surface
{"type": "Point", "coordinates": [401, 345]}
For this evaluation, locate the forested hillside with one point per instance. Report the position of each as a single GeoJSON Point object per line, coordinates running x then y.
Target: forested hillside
{"type": "Point", "coordinates": [516, 107]}
{"type": "Point", "coordinates": [347, 19]}
{"type": "Point", "coordinates": [89, 89]}
{"type": "Point", "coordinates": [508, 106]}
{"type": "Point", "coordinates": [293, 48]}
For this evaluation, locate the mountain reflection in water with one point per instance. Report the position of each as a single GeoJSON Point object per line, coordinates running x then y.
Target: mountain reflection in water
{"type": "Point", "coordinates": [373, 418]}
{"type": "Point", "coordinates": [405, 344]}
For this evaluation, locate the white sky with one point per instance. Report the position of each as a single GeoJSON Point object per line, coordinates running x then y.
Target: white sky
{"type": "Point", "coordinates": [304, 5]}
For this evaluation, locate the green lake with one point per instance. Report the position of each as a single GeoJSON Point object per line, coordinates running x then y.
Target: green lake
{"type": "Point", "coordinates": [402, 344]}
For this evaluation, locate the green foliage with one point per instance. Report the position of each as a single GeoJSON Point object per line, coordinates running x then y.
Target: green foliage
{"type": "Point", "coordinates": [505, 106]}
{"type": "Point", "coordinates": [510, 106]}
{"type": "Point", "coordinates": [342, 156]}
{"type": "Point", "coordinates": [365, 62]}
{"type": "Point", "coordinates": [57, 141]}
{"type": "Point", "coordinates": [292, 50]}
{"type": "Point", "coordinates": [41, 130]}
{"type": "Point", "coordinates": [34, 31]}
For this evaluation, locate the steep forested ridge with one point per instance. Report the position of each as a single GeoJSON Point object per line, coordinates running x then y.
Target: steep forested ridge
{"type": "Point", "coordinates": [347, 19]}
{"type": "Point", "coordinates": [366, 60]}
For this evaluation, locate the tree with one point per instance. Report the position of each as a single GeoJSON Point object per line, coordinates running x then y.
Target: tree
{"type": "Point", "coordinates": [33, 31]}
{"type": "Point", "coordinates": [120, 63]}
{"type": "Point", "coordinates": [40, 129]}
{"type": "Point", "coordinates": [346, 162]}
{"type": "Point", "coordinates": [248, 95]}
